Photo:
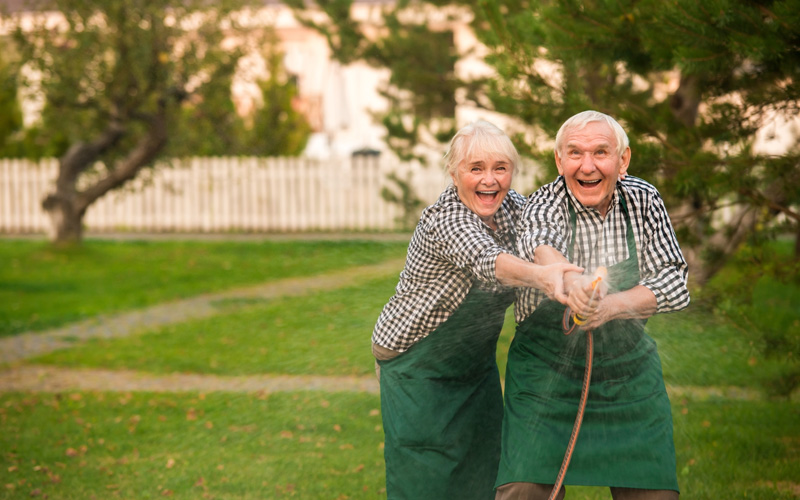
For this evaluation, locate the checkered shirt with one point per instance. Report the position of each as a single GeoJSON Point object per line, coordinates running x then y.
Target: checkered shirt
{"type": "Point", "coordinates": [451, 250]}
{"type": "Point", "coordinates": [599, 242]}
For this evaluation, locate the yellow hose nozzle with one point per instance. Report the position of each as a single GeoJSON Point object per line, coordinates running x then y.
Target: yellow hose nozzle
{"type": "Point", "coordinates": [599, 276]}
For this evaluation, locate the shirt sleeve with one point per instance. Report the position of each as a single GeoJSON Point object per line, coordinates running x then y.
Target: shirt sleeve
{"type": "Point", "coordinates": [542, 223]}
{"type": "Point", "coordinates": [463, 240]}
{"type": "Point", "coordinates": [664, 270]}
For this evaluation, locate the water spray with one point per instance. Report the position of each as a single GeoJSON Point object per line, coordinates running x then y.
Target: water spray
{"type": "Point", "coordinates": [569, 324]}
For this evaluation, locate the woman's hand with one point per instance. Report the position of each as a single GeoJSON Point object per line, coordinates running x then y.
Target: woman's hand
{"type": "Point", "coordinates": [552, 280]}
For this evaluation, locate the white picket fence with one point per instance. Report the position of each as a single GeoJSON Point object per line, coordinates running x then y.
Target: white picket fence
{"type": "Point", "coordinates": [232, 194]}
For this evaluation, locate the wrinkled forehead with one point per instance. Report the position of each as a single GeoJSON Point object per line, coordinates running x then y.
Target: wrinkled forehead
{"type": "Point", "coordinates": [590, 135]}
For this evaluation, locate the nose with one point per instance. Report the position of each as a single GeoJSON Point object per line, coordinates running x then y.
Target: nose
{"type": "Point", "coordinates": [587, 162]}
{"type": "Point", "coordinates": [488, 177]}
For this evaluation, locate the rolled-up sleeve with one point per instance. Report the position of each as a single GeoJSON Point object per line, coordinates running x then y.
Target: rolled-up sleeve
{"type": "Point", "coordinates": [462, 240]}
{"type": "Point", "coordinates": [542, 223]}
{"type": "Point", "coordinates": [664, 271]}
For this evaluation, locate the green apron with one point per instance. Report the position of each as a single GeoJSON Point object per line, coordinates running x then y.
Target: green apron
{"type": "Point", "coordinates": [442, 406]}
{"type": "Point", "coordinates": [626, 435]}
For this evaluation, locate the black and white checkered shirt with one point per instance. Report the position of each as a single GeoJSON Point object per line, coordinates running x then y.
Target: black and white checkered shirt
{"type": "Point", "coordinates": [601, 242]}
{"type": "Point", "coordinates": [450, 251]}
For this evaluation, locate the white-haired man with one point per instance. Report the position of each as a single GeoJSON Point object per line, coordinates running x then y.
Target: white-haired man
{"type": "Point", "coordinates": [593, 215]}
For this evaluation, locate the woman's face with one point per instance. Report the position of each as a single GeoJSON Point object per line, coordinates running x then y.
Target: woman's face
{"type": "Point", "coordinates": [482, 181]}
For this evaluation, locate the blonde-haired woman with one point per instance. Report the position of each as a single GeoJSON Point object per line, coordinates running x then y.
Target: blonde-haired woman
{"type": "Point", "coordinates": [436, 338]}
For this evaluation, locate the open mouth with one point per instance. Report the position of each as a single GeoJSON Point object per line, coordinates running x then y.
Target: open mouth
{"type": "Point", "coordinates": [487, 196]}
{"type": "Point", "coordinates": [591, 183]}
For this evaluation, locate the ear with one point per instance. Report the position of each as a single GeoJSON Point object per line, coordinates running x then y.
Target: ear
{"type": "Point", "coordinates": [558, 163]}
{"type": "Point", "coordinates": [626, 160]}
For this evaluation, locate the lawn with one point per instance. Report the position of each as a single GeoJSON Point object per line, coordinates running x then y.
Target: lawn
{"type": "Point", "coordinates": [316, 445]}
{"type": "Point", "coordinates": [43, 287]}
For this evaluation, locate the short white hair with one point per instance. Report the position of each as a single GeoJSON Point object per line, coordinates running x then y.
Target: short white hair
{"type": "Point", "coordinates": [584, 118]}
{"type": "Point", "coordinates": [479, 135]}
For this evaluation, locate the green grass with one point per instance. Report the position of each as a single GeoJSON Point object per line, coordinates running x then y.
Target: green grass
{"type": "Point", "coordinates": [191, 446]}
{"type": "Point", "coordinates": [306, 444]}
{"type": "Point", "coordinates": [43, 287]}
{"type": "Point", "coordinates": [319, 446]}
{"type": "Point", "coordinates": [325, 333]}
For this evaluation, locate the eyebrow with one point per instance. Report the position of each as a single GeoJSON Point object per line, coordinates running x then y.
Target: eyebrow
{"type": "Point", "coordinates": [602, 145]}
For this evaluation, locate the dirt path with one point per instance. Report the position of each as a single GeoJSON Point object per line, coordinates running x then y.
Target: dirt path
{"type": "Point", "coordinates": [27, 345]}
{"type": "Point", "coordinates": [40, 378]}
{"type": "Point", "coordinates": [19, 376]}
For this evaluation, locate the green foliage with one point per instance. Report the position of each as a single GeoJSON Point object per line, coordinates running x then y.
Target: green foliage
{"type": "Point", "coordinates": [10, 112]}
{"type": "Point", "coordinates": [138, 59]}
{"type": "Point", "coordinates": [122, 79]}
{"type": "Point", "coordinates": [421, 90]}
{"type": "Point", "coordinates": [759, 292]}
{"type": "Point", "coordinates": [692, 83]}
{"type": "Point", "coordinates": [278, 129]}
{"type": "Point", "coordinates": [408, 201]}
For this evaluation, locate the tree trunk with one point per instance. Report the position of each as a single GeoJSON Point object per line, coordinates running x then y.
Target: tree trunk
{"type": "Point", "coordinates": [67, 206]}
{"type": "Point", "coordinates": [66, 220]}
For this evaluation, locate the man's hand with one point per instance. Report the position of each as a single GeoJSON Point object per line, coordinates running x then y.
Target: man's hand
{"type": "Point", "coordinates": [584, 297]}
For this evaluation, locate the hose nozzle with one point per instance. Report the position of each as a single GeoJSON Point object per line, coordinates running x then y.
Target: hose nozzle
{"type": "Point", "coordinates": [599, 276]}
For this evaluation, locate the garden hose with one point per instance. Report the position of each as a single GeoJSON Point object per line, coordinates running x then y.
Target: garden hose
{"type": "Point", "coordinates": [569, 324]}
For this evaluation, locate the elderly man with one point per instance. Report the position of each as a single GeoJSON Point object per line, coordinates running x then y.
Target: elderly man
{"type": "Point", "coordinates": [593, 215]}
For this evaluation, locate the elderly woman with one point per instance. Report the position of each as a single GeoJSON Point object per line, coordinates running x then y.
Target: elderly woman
{"type": "Point", "coordinates": [435, 340]}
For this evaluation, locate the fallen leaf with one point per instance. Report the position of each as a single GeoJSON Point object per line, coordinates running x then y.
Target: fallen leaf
{"type": "Point", "coordinates": [170, 463]}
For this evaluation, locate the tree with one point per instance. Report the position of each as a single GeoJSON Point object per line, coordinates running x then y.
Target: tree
{"type": "Point", "coordinates": [692, 83]}
{"type": "Point", "coordinates": [120, 78]}
{"type": "Point", "coordinates": [278, 128]}
{"type": "Point", "coordinates": [10, 112]}
{"type": "Point", "coordinates": [421, 90]}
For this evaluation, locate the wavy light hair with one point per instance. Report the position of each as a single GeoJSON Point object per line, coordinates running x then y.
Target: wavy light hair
{"type": "Point", "coordinates": [479, 136]}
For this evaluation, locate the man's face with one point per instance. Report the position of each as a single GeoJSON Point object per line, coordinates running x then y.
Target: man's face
{"type": "Point", "coordinates": [482, 182]}
{"type": "Point", "coordinates": [591, 164]}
